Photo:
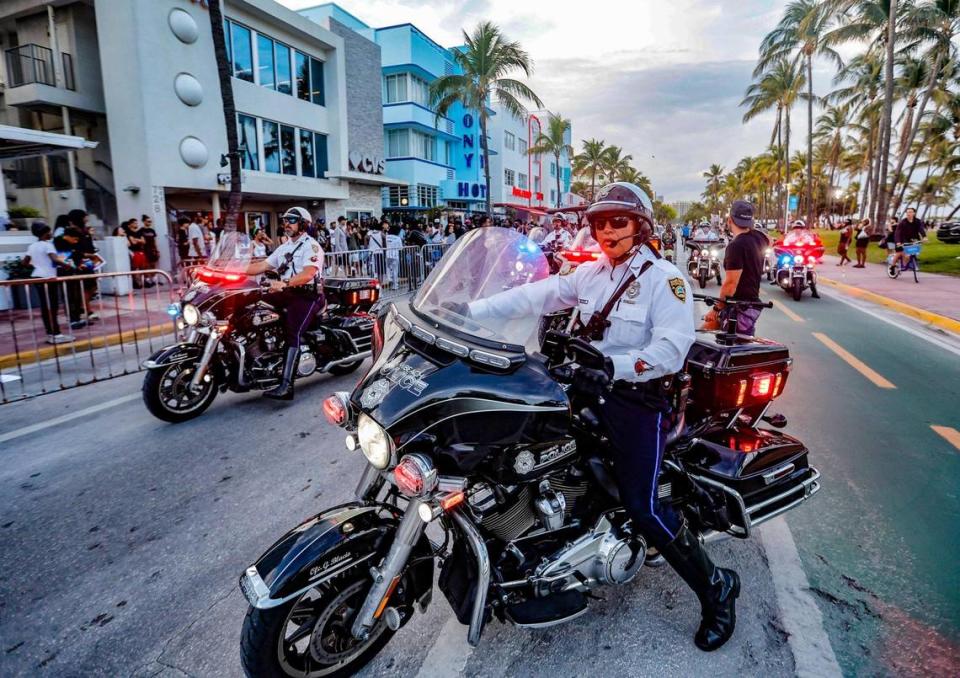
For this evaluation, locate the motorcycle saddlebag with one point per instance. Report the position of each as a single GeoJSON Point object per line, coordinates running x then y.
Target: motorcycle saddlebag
{"type": "Point", "coordinates": [768, 471]}
{"type": "Point", "coordinates": [362, 292]}
{"type": "Point", "coordinates": [729, 373]}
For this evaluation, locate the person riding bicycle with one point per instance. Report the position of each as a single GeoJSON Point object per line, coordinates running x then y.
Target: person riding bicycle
{"type": "Point", "coordinates": [909, 230]}
{"type": "Point", "coordinates": [299, 265]}
{"type": "Point", "coordinates": [645, 341]}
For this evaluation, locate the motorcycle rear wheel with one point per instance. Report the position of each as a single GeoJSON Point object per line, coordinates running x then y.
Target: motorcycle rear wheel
{"type": "Point", "coordinates": [345, 368]}
{"type": "Point", "coordinates": [310, 635]}
{"type": "Point", "coordinates": [167, 396]}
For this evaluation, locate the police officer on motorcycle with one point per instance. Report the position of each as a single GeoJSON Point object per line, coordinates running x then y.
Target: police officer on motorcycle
{"type": "Point", "coordinates": [646, 335]}
{"type": "Point", "coordinates": [299, 290]}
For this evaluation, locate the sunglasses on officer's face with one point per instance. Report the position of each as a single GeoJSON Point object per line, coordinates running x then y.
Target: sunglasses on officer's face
{"type": "Point", "coordinates": [291, 219]}
{"type": "Point", "coordinates": [616, 223]}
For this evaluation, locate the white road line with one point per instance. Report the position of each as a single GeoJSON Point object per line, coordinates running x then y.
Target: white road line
{"type": "Point", "coordinates": [56, 421]}
{"type": "Point", "coordinates": [449, 654]}
{"type": "Point", "coordinates": [898, 320]}
{"type": "Point", "coordinates": [802, 620]}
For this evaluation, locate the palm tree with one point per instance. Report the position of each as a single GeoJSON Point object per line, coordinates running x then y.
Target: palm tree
{"type": "Point", "coordinates": [614, 162]}
{"type": "Point", "coordinates": [634, 176]}
{"type": "Point", "coordinates": [590, 161]}
{"type": "Point", "coordinates": [714, 177]}
{"type": "Point", "coordinates": [831, 128]}
{"type": "Point", "coordinates": [936, 22]}
{"type": "Point", "coordinates": [778, 88]}
{"type": "Point", "coordinates": [554, 143]}
{"type": "Point", "coordinates": [801, 34]}
{"type": "Point", "coordinates": [235, 197]}
{"type": "Point", "coordinates": [485, 60]}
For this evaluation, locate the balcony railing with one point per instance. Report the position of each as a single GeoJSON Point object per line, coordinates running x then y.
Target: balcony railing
{"type": "Point", "coordinates": [30, 64]}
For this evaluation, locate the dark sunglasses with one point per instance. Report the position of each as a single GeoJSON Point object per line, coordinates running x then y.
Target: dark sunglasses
{"type": "Point", "coordinates": [291, 219]}
{"type": "Point", "coordinates": [617, 223]}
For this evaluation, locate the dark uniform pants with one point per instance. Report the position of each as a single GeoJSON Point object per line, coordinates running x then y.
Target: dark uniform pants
{"type": "Point", "coordinates": [637, 434]}
{"type": "Point", "coordinates": [300, 308]}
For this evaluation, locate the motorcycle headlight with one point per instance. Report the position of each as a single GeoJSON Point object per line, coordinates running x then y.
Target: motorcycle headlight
{"type": "Point", "coordinates": [798, 259]}
{"type": "Point", "coordinates": [374, 442]}
{"type": "Point", "coordinates": [191, 314]}
{"type": "Point", "coordinates": [714, 253]}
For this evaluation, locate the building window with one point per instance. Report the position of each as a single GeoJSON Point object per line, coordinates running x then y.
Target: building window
{"type": "Point", "coordinates": [426, 195]}
{"type": "Point", "coordinates": [553, 169]}
{"type": "Point", "coordinates": [419, 91]}
{"type": "Point", "coordinates": [288, 149]}
{"type": "Point", "coordinates": [284, 84]}
{"type": "Point", "coordinates": [316, 82]}
{"type": "Point", "coordinates": [523, 146]}
{"type": "Point", "coordinates": [303, 75]}
{"type": "Point", "coordinates": [536, 184]}
{"type": "Point", "coordinates": [307, 166]}
{"type": "Point", "coordinates": [423, 146]}
{"type": "Point", "coordinates": [398, 196]}
{"type": "Point", "coordinates": [398, 143]}
{"type": "Point", "coordinates": [522, 183]}
{"type": "Point", "coordinates": [508, 177]}
{"type": "Point", "coordinates": [265, 62]}
{"type": "Point", "coordinates": [271, 147]}
{"type": "Point", "coordinates": [242, 52]}
{"type": "Point", "coordinates": [396, 88]}
{"type": "Point", "coordinates": [509, 141]}
{"type": "Point", "coordinates": [320, 154]}
{"type": "Point", "coordinates": [247, 138]}
{"type": "Point", "coordinates": [553, 197]}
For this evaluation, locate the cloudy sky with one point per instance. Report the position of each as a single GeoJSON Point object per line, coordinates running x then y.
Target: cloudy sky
{"type": "Point", "coordinates": [661, 78]}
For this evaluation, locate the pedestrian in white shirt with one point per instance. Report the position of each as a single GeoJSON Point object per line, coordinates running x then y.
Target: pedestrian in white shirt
{"type": "Point", "coordinates": [43, 256]}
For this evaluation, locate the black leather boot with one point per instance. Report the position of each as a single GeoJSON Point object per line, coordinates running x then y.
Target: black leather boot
{"type": "Point", "coordinates": [284, 390]}
{"type": "Point", "coordinates": [716, 588]}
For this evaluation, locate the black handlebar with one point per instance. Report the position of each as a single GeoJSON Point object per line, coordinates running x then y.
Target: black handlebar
{"type": "Point", "coordinates": [741, 303]}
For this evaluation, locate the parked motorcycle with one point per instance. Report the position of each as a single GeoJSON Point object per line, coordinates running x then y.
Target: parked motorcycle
{"type": "Point", "coordinates": [233, 339]}
{"type": "Point", "coordinates": [464, 426]}
{"type": "Point", "coordinates": [704, 262]}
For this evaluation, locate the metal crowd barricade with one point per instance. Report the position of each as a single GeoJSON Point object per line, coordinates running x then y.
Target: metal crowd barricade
{"type": "Point", "coordinates": [118, 320]}
{"type": "Point", "coordinates": [399, 270]}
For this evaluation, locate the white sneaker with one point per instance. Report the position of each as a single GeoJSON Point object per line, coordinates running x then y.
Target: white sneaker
{"type": "Point", "coordinates": [59, 338]}
{"type": "Point", "coordinates": [93, 316]}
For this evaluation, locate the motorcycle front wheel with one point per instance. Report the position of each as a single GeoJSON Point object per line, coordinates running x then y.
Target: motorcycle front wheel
{"type": "Point", "coordinates": [797, 289]}
{"type": "Point", "coordinates": [168, 396]}
{"type": "Point", "coordinates": [310, 636]}
{"type": "Point", "coordinates": [702, 279]}
{"type": "Point", "coordinates": [345, 368]}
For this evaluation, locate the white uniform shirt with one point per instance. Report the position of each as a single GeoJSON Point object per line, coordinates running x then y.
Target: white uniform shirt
{"type": "Point", "coordinates": [652, 321]}
{"type": "Point", "coordinates": [40, 253]}
{"type": "Point", "coordinates": [561, 236]}
{"type": "Point", "coordinates": [306, 252]}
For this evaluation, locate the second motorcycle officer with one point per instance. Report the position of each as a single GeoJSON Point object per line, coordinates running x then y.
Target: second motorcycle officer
{"type": "Point", "coordinates": [299, 263]}
{"type": "Point", "coordinates": [646, 335]}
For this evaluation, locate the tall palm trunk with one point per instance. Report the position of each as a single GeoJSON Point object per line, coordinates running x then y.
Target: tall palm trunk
{"type": "Point", "coordinates": [905, 148]}
{"type": "Point", "coordinates": [810, 139]}
{"type": "Point", "coordinates": [906, 180]}
{"type": "Point", "coordinates": [235, 198]}
{"type": "Point", "coordinates": [486, 157]}
{"type": "Point", "coordinates": [786, 160]}
{"type": "Point", "coordinates": [557, 158]}
{"type": "Point", "coordinates": [887, 115]}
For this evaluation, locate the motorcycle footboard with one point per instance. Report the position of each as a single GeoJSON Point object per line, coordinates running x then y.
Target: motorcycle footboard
{"type": "Point", "coordinates": [759, 473]}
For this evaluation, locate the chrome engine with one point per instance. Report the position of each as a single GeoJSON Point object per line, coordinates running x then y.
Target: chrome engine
{"type": "Point", "coordinates": [607, 554]}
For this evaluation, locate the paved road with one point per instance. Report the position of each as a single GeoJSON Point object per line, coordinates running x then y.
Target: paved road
{"type": "Point", "coordinates": [123, 536]}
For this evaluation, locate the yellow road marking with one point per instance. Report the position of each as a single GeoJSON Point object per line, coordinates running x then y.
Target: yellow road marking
{"type": "Point", "coordinates": [853, 361]}
{"type": "Point", "coordinates": [783, 307]}
{"type": "Point", "coordinates": [951, 435]}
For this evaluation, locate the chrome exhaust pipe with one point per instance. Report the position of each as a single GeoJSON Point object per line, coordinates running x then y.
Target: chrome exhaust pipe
{"type": "Point", "coordinates": [349, 359]}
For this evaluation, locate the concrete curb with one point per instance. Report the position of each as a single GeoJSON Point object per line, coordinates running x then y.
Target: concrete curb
{"type": "Point", "coordinates": [928, 317]}
{"type": "Point", "coordinates": [64, 351]}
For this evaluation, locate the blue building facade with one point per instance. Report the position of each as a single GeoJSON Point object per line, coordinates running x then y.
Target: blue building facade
{"type": "Point", "coordinates": [439, 158]}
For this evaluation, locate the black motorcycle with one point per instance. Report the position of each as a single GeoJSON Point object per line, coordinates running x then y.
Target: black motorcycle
{"type": "Point", "coordinates": [704, 261]}
{"type": "Point", "coordinates": [233, 339]}
{"type": "Point", "coordinates": [466, 427]}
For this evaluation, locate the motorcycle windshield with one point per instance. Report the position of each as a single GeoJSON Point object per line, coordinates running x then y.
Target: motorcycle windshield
{"type": "Point", "coordinates": [482, 263]}
{"type": "Point", "coordinates": [584, 241]}
{"type": "Point", "coordinates": [231, 253]}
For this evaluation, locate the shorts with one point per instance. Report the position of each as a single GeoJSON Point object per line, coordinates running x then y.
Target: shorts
{"type": "Point", "coordinates": [898, 248]}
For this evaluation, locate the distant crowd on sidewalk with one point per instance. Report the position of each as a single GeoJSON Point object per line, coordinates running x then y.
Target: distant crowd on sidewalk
{"type": "Point", "coordinates": [909, 229]}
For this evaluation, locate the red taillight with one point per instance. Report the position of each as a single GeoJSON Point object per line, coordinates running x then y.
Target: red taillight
{"type": "Point", "coordinates": [414, 475]}
{"type": "Point", "coordinates": [761, 385]}
{"type": "Point", "coordinates": [335, 410]}
{"type": "Point", "coordinates": [580, 256]}
{"type": "Point", "coordinates": [212, 277]}
{"type": "Point", "coordinates": [452, 500]}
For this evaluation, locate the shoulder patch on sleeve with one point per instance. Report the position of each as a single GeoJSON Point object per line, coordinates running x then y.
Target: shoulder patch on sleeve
{"type": "Point", "coordinates": [679, 288]}
{"type": "Point", "coordinates": [316, 247]}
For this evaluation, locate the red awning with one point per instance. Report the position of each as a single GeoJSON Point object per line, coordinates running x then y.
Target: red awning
{"type": "Point", "coordinates": [540, 211]}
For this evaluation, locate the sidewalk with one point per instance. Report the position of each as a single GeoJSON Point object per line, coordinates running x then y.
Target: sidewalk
{"type": "Point", "coordinates": [935, 300]}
